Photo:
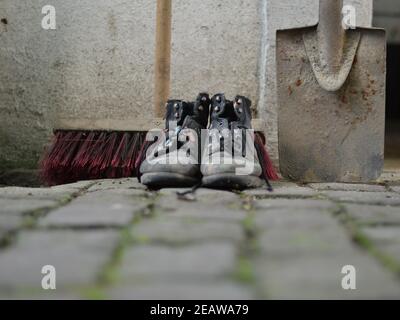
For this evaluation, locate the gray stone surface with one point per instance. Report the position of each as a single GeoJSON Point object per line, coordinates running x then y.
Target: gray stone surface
{"type": "Point", "coordinates": [383, 235]}
{"type": "Point", "coordinates": [390, 177]}
{"type": "Point", "coordinates": [215, 290]}
{"type": "Point", "coordinates": [292, 204]}
{"type": "Point", "coordinates": [77, 256]}
{"type": "Point", "coordinates": [94, 209]}
{"type": "Point", "coordinates": [376, 215]}
{"type": "Point", "coordinates": [212, 205]}
{"type": "Point", "coordinates": [395, 189]}
{"type": "Point", "coordinates": [386, 239]}
{"type": "Point", "coordinates": [119, 184]}
{"type": "Point", "coordinates": [59, 193]}
{"type": "Point", "coordinates": [13, 206]}
{"type": "Point", "coordinates": [115, 239]}
{"type": "Point", "coordinates": [183, 230]}
{"type": "Point", "coordinates": [283, 192]}
{"type": "Point", "coordinates": [319, 277]}
{"type": "Point", "coordinates": [348, 187]}
{"type": "Point", "coordinates": [178, 264]}
{"type": "Point", "coordinates": [374, 198]}
{"type": "Point", "coordinates": [302, 255]}
{"type": "Point", "coordinates": [9, 223]}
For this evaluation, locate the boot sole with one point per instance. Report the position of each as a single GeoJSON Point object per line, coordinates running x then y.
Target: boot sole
{"type": "Point", "coordinates": [158, 180]}
{"type": "Point", "coordinates": [232, 182]}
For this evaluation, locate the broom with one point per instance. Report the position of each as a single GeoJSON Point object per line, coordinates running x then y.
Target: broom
{"type": "Point", "coordinates": [75, 155]}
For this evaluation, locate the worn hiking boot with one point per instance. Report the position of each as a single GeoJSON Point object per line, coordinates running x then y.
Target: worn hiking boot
{"type": "Point", "coordinates": [173, 161]}
{"type": "Point", "coordinates": [230, 159]}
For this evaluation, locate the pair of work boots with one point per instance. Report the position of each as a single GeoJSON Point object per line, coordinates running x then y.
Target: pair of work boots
{"type": "Point", "coordinates": [226, 156]}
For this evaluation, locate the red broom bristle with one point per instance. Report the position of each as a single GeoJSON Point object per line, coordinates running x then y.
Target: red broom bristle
{"type": "Point", "coordinates": [79, 155]}
{"type": "Point", "coordinates": [118, 158]}
{"type": "Point", "coordinates": [269, 170]}
{"type": "Point", "coordinates": [133, 147]}
{"type": "Point", "coordinates": [142, 156]}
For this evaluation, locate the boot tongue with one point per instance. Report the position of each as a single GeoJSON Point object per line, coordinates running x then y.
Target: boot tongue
{"type": "Point", "coordinates": [222, 113]}
{"type": "Point", "coordinates": [177, 111]}
{"type": "Point", "coordinates": [241, 107]}
{"type": "Point", "coordinates": [227, 114]}
{"type": "Point", "coordinates": [200, 113]}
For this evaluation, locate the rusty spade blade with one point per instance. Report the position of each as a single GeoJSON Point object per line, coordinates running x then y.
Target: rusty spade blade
{"type": "Point", "coordinates": [331, 100]}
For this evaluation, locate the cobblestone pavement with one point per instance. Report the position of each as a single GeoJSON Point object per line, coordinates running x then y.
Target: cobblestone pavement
{"type": "Point", "coordinates": [113, 239]}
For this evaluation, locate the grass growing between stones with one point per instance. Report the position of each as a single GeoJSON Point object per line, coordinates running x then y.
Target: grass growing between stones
{"type": "Point", "coordinates": [364, 242]}
{"type": "Point", "coordinates": [109, 274]}
{"type": "Point", "coordinates": [7, 239]}
{"type": "Point", "coordinates": [244, 271]}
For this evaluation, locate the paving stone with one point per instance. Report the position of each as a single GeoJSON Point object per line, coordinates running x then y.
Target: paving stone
{"type": "Point", "coordinates": [204, 194]}
{"type": "Point", "coordinates": [76, 185]}
{"type": "Point", "coordinates": [282, 192]}
{"type": "Point", "coordinates": [375, 198]}
{"type": "Point", "coordinates": [56, 193]}
{"type": "Point", "coordinates": [19, 206]}
{"type": "Point", "coordinates": [348, 187]}
{"type": "Point", "coordinates": [302, 254]}
{"type": "Point", "coordinates": [267, 204]}
{"type": "Point", "coordinates": [100, 208]}
{"type": "Point", "coordinates": [306, 231]}
{"type": "Point", "coordinates": [219, 206]}
{"type": "Point", "coordinates": [386, 239]}
{"type": "Point", "coordinates": [370, 214]}
{"type": "Point", "coordinates": [215, 290]}
{"type": "Point", "coordinates": [109, 184]}
{"type": "Point", "coordinates": [168, 230]}
{"type": "Point", "coordinates": [157, 263]}
{"type": "Point", "coordinates": [395, 188]}
{"type": "Point", "coordinates": [77, 257]}
{"type": "Point", "coordinates": [10, 222]}
{"type": "Point", "coordinates": [390, 176]}
{"type": "Point", "coordinates": [383, 235]}
{"type": "Point", "coordinates": [35, 294]}
{"type": "Point", "coordinates": [319, 277]}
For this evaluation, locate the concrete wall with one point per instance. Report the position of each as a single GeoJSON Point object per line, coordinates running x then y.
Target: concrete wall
{"type": "Point", "coordinates": [387, 15]}
{"type": "Point", "coordinates": [98, 64]}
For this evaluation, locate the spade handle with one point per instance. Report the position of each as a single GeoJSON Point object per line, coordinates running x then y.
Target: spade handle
{"type": "Point", "coordinates": [162, 67]}
{"type": "Point", "coordinates": [331, 34]}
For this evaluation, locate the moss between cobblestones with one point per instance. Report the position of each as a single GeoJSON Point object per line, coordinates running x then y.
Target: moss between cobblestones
{"type": "Point", "coordinates": [364, 242]}
{"type": "Point", "coordinates": [361, 239]}
{"type": "Point", "coordinates": [7, 239]}
{"type": "Point", "coordinates": [244, 272]}
{"type": "Point", "coordinates": [110, 272]}
{"type": "Point", "coordinates": [29, 221]}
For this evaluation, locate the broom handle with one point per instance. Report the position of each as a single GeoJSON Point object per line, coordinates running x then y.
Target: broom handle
{"type": "Point", "coordinates": [162, 56]}
{"type": "Point", "coordinates": [331, 35]}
